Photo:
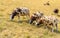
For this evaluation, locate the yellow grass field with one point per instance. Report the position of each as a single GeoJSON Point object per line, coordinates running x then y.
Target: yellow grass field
{"type": "Point", "coordinates": [13, 29]}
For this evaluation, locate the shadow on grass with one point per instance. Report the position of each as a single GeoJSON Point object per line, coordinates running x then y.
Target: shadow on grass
{"type": "Point", "coordinates": [58, 15]}
{"type": "Point", "coordinates": [21, 21]}
{"type": "Point", "coordinates": [49, 28]}
{"type": "Point", "coordinates": [14, 21]}
{"type": "Point", "coordinates": [1, 15]}
{"type": "Point", "coordinates": [39, 26]}
{"type": "Point", "coordinates": [27, 21]}
{"type": "Point", "coordinates": [57, 31]}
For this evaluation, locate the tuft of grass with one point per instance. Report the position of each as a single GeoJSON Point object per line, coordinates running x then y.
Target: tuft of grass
{"type": "Point", "coordinates": [27, 36]}
{"type": "Point", "coordinates": [1, 29]}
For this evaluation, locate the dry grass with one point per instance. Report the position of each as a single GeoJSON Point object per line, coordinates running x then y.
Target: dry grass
{"type": "Point", "coordinates": [13, 29]}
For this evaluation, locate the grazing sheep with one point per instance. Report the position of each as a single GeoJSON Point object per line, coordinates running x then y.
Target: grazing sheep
{"type": "Point", "coordinates": [22, 11]}
{"type": "Point", "coordinates": [35, 16]}
{"type": "Point", "coordinates": [48, 20]}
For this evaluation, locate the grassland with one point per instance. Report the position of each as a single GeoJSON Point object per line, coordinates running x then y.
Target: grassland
{"type": "Point", "coordinates": [14, 29]}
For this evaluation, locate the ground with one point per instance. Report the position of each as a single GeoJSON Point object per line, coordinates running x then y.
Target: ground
{"type": "Point", "coordinates": [15, 29]}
